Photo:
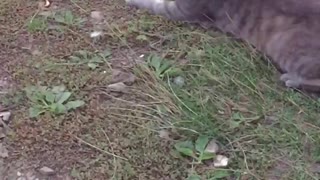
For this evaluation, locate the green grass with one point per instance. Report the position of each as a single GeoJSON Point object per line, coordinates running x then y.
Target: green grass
{"type": "Point", "coordinates": [232, 95]}
{"type": "Point", "coordinates": [229, 93]}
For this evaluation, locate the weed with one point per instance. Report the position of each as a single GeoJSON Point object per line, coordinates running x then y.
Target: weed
{"type": "Point", "coordinates": [162, 67]}
{"type": "Point", "coordinates": [91, 59]}
{"type": "Point", "coordinates": [37, 24]}
{"type": "Point", "coordinates": [54, 100]}
{"type": "Point", "coordinates": [195, 150]}
{"type": "Point", "coordinates": [67, 18]}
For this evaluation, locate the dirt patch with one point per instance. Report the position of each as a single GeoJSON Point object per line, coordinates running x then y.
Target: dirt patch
{"type": "Point", "coordinates": [110, 137]}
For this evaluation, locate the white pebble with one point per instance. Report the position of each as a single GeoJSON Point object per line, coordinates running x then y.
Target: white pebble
{"type": "Point", "coordinates": [220, 161]}
{"type": "Point", "coordinates": [95, 34]}
{"type": "Point", "coordinates": [179, 81]}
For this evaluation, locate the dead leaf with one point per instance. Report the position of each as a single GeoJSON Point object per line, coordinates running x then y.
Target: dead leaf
{"type": "Point", "coordinates": [118, 87]}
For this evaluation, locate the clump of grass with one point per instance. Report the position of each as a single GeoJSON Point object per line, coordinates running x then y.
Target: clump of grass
{"type": "Point", "coordinates": [232, 94]}
{"type": "Point", "coordinates": [37, 24]}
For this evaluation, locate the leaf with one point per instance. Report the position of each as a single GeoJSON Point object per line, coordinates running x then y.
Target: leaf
{"type": "Point", "coordinates": [96, 59]}
{"type": "Point", "coordinates": [142, 38]}
{"type": "Point", "coordinates": [186, 148]}
{"type": "Point", "coordinates": [106, 53]}
{"type": "Point", "coordinates": [174, 71]}
{"type": "Point", "coordinates": [59, 19]}
{"type": "Point", "coordinates": [194, 177]}
{"type": "Point", "coordinates": [201, 143]}
{"type": "Point", "coordinates": [58, 89]}
{"type": "Point", "coordinates": [92, 66]}
{"type": "Point", "coordinates": [49, 97]}
{"type": "Point", "coordinates": [206, 156]}
{"type": "Point", "coordinates": [154, 62]}
{"type": "Point", "coordinates": [68, 17]}
{"type": "Point", "coordinates": [164, 66]}
{"type": "Point", "coordinates": [74, 104]}
{"type": "Point", "coordinates": [58, 108]}
{"type": "Point", "coordinates": [62, 97]}
{"type": "Point", "coordinates": [218, 174]}
{"type": "Point", "coordinates": [83, 53]}
{"type": "Point", "coordinates": [75, 58]}
{"type": "Point", "coordinates": [35, 111]}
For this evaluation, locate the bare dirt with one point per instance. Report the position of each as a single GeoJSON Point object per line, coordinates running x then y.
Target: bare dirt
{"type": "Point", "coordinates": [76, 145]}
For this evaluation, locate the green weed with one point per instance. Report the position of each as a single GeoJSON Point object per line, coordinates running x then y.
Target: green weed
{"type": "Point", "coordinates": [67, 18]}
{"type": "Point", "coordinates": [37, 24]}
{"type": "Point", "coordinates": [54, 100]}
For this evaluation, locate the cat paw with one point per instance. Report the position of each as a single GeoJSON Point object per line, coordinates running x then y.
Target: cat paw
{"type": "Point", "coordinates": [291, 80]}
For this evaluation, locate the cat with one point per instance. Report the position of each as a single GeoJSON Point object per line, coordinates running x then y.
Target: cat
{"type": "Point", "coordinates": [287, 31]}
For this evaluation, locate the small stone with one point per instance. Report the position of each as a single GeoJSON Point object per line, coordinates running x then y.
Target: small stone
{"type": "Point", "coordinates": [36, 52]}
{"type": "Point", "coordinates": [220, 161]}
{"type": "Point", "coordinates": [95, 34]}
{"type": "Point", "coordinates": [97, 15]}
{"type": "Point", "coordinates": [118, 87]}
{"type": "Point", "coordinates": [5, 115]}
{"type": "Point", "coordinates": [179, 81]}
{"type": "Point", "coordinates": [212, 147]}
{"type": "Point", "coordinates": [164, 134]}
{"type": "Point", "coordinates": [46, 171]}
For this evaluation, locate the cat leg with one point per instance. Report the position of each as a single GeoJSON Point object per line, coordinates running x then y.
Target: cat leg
{"type": "Point", "coordinates": [292, 80]}
{"type": "Point", "coordinates": [180, 10]}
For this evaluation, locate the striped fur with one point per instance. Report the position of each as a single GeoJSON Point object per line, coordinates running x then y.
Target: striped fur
{"type": "Point", "coordinates": [288, 31]}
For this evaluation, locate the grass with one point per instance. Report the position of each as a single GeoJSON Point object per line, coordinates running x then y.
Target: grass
{"type": "Point", "coordinates": [226, 91]}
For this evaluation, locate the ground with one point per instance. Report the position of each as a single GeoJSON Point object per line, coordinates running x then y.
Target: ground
{"type": "Point", "coordinates": [137, 91]}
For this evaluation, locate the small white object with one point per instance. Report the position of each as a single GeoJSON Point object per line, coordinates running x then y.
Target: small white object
{"type": "Point", "coordinates": [5, 115]}
{"type": "Point", "coordinates": [141, 56]}
{"type": "Point", "coordinates": [164, 134]}
{"type": "Point", "coordinates": [46, 171]}
{"type": "Point", "coordinates": [104, 72]}
{"type": "Point", "coordinates": [19, 173]}
{"type": "Point", "coordinates": [220, 161]}
{"type": "Point", "coordinates": [47, 3]}
{"type": "Point", "coordinates": [95, 34]}
{"type": "Point", "coordinates": [212, 147]}
{"type": "Point", "coordinates": [117, 87]}
{"type": "Point", "coordinates": [179, 80]}
{"type": "Point", "coordinates": [97, 15]}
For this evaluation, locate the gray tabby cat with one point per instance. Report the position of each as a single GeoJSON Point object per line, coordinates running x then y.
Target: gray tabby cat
{"type": "Point", "coordinates": [288, 31]}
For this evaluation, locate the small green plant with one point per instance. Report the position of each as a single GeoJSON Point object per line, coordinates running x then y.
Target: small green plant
{"type": "Point", "coordinates": [67, 18]}
{"type": "Point", "coordinates": [37, 24]}
{"type": "Point", "coordinates": [196, 150]}
{"type": "Point", "coordinates": [145, 23]}
{"type": "Point", "coordinates": [162, 66]}
{"type": "Point", "coordinates": [54, 100]}
{"type": "Point", "coordinates": [93, 60]}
